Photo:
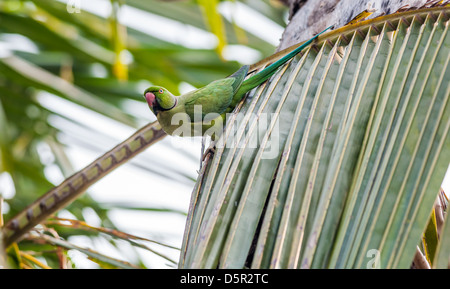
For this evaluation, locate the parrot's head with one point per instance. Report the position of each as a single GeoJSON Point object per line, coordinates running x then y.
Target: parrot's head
{"type": "Point", "coordinates": [159, 99]}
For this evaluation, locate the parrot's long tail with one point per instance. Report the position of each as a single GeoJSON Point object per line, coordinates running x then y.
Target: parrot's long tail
{"type": "Point", "coordinates": [267, 72]}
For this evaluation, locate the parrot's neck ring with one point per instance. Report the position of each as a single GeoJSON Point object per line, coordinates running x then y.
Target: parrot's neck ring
{"type": "Point", "coordinates": [165, 109]}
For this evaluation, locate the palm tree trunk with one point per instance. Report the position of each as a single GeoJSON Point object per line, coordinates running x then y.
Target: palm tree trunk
{"type": "Point", "coordinates": [309, 17]}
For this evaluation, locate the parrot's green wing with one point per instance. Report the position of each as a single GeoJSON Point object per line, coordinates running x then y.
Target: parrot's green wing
{"type": "Point", "coordinates": [239, 76]}
{"type": "Point", "coordinates": [215, 97]}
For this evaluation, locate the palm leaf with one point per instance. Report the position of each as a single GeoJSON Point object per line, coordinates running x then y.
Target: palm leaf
{"type": "Point", "coordinates": [359, 123]}
{"type": "Point", "coordinates": [441, 259]}
{"type": "Point", "coordinates": [76, 59]}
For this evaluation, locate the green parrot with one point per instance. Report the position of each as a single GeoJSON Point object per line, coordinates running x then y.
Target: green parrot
{"type": "Point", "coordinates": [202, 112]}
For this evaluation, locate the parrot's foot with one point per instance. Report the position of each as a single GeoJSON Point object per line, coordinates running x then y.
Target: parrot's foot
{"type": "Point", "coordinates": [205, 153]}
{"type": "Point", "coordinates": [210, 150]}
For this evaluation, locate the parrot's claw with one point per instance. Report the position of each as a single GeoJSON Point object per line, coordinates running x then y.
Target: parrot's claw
{"type": "Point", "coordinates": [210, 150]}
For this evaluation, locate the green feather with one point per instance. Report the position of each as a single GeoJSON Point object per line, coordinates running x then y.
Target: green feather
{"type": "Point", "coordinates": [267, 72]}
{"type": "Point", "coordinates": [214, 98]}
{"type": "Point", "coordinates": [217, 98]}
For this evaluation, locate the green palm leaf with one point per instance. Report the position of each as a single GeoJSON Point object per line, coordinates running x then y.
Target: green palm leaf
{"type": "Point", "coordinates": [441, 259]}
{"type": "Point", "coordinates": [87, 60]}
{"type": "Point", "coordinates": [360, 124]}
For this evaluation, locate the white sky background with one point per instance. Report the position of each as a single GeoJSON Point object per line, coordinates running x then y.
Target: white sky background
{"type": "Point", "coordinates": [125, 184]}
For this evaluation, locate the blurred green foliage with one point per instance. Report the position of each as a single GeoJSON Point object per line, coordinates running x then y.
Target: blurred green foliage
{"type": "Point", "coordinates": [97, 62]}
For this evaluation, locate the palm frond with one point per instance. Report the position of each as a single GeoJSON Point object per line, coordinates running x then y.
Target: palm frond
{"type": "Point", "coordinates": [353, 148]}
{"type": "Point", "coordinates": [62, 63]}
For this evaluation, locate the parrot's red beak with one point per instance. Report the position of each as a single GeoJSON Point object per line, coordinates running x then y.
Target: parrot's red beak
{"type": "Point", "coordinates": [151, 99]}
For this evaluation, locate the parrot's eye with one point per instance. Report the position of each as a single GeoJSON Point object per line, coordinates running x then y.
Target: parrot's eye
{"type": "Point", "coordinates": [160, 90]}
